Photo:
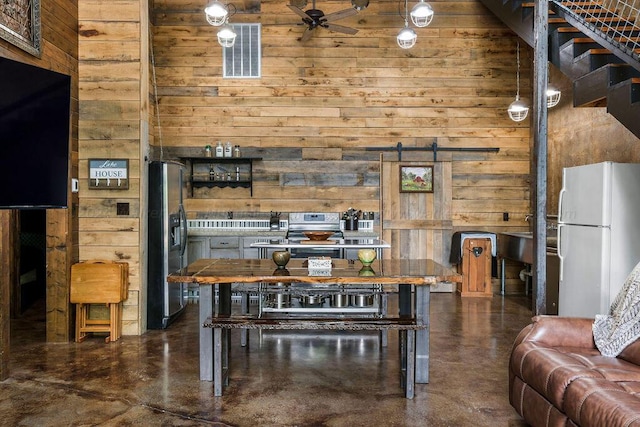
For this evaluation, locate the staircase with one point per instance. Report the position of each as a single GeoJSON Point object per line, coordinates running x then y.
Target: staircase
{"type": "Point", "coordinates": [599, 50]}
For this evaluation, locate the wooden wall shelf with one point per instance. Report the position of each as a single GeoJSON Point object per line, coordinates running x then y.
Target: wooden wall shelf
{"type": "Point", "coordinates": [221, 172]}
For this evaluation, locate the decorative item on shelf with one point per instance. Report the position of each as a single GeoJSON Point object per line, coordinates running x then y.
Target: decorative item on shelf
{"type": "Point", "coordinates": [518, 110]}
{"type": "Point", "coordinates": [281, 258]}
{"type": "Point", "coordinates": [367, 256]}
{"type": "Point", "coordinates": [219, 149]}
{"type": "Point", "coordinates": [228, 149]}
{"type": "Point", "coordinates": [236, 151]}
{"type": "Point", "coordinates": [208, 152]}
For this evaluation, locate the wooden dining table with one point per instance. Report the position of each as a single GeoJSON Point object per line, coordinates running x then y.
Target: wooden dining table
{"type": "Point", "coordinates": [410, 278]}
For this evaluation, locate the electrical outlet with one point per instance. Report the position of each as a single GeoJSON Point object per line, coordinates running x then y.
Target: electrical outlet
{"type": "Point", "coordinates": [122, 208]}
{"type": "Point", "coordinates": [505, 216]}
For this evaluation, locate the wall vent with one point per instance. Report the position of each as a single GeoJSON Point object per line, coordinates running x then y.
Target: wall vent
{"type": "Point", "coordinates": [244, 58]}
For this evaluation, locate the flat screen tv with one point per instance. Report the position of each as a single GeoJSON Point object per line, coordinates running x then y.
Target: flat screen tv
{"type": "Point", "coordinates": [34, 134]}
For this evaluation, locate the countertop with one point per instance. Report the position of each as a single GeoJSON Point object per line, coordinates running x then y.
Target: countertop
{"type": "Point", "coordinates": [192, 232]}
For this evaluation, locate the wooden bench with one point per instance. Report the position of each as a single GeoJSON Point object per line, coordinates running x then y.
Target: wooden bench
{"type": "Point", "coordinates": [223, 323]}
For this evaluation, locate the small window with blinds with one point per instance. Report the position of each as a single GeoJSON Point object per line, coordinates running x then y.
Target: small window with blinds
{"type": "Point", "coordinates": [242, 60]}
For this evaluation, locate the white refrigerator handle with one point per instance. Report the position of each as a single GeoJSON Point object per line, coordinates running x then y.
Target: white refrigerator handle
{"type": "Point", "coordinates": [560, 198]}
{"type": "Point", "coordinates": [559, 248]}
{"type": "Point", "coordinates": [559, 231]}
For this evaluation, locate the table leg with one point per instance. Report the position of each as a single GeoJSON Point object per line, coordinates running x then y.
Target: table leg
{"type": "Point", "coordinates": [422, 301]}
{"type": "Point", "coordinates": [244, 333]}
{"type": "Point", "coordinates": [206, 334]}
{"type": "Point", "coordinates": [502, 278]}
{"type": "Point", "coordinates": [217, 361]}
{"type": "Point", "coordinates": [411, 364]}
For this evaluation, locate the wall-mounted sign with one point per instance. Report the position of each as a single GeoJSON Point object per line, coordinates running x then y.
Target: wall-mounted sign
{"type": "Point", "coordinates": [109, 174]}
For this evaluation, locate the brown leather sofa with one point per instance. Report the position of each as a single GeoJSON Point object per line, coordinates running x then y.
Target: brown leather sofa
{"type": "Point", "coordinates": [557, 377]}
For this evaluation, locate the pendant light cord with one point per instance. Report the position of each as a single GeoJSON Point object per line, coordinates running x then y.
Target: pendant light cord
{"type": "Point", "coordinates": [518, 70]}
{"type": "Point", "coordinates": [155, 96]}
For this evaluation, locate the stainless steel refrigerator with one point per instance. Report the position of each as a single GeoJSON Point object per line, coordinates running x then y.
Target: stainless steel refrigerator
{"type": "Point", "coordinates": [598, 235]}
{"type": "Point", "coordinates": [167, 243]}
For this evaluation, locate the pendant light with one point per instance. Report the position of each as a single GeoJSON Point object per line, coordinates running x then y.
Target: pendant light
{"type": "Point", "coordinates": [407, 37]}
{"type": "Point", "coordinates": [553, 92]}
{"type": "Point", "coordinates": [518, 110]}
{"type": "Point", "coordinates": [421, 14]}
{"type": "Point", "coordinates": [216, 13]}
{"type": "Point", "coordinates": [227, 36]}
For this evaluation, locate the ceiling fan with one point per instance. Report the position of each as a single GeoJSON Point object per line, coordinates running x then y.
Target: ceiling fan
{"type": "Point", "coordinates": [314, 18]}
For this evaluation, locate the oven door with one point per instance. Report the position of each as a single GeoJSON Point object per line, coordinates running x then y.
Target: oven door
{"type": "Point", "coordinates": [314, 251]}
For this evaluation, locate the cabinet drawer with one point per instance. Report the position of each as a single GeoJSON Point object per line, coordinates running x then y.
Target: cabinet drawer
{"type": "Point", "coordinates": [223, 242]}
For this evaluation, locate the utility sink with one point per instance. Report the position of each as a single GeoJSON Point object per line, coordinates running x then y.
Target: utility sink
{"type": "Point", "coordinates": [519, 246]}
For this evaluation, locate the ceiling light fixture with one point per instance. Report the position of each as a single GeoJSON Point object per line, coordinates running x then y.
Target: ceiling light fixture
{"type": "Point", "coordinates": [518, 110]}
{"type": "Point", "coordinates": [406, 38]}
{"type": "Point", "coordinates": [421, 14]}
{"type": "Point", "coordinates": [227, 36]}
{"type": "Point", "coordinates": [216, 13]}
{"type": "Point", "coordinates": [360, 4]}
{"type": "Point", "coordinates": [553, 95]}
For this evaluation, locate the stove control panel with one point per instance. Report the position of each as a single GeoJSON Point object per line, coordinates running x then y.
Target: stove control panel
{"type": "Point", "coordinates": [314, 218]}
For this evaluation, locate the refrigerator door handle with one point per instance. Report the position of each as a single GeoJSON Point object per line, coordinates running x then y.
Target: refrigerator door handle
{"type": "Point", "coordinates": [560, 198]}
{"type": "Point", "coordinates": [183, 229]}
{"type": "Point", "coordinates": [559, 248]}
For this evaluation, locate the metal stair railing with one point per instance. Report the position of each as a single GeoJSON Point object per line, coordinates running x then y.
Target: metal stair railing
{"type": "Point", "coordinates": [615, 24]}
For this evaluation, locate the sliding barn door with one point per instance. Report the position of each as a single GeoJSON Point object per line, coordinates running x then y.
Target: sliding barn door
{"type": "Point", "coordinates": [417, 224]}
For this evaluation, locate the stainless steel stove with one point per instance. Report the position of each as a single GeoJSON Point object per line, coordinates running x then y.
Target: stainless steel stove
{"type": "Point", "coordinates": [299, 222]}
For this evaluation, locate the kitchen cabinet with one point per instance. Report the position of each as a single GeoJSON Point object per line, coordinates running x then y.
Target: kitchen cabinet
{"type": "Point", "coordinates": [197, 248]}
{"type": "Point", "coordinates": [221, 172]}
{"type": "Point", "coordinates": [225, 247]}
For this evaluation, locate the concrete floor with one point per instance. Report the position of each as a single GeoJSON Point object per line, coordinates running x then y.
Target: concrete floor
{"type": "Point", "coordinates": [282, 379]}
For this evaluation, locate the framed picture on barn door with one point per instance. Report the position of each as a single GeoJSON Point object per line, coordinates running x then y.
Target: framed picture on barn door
{"type": "Point", "coordinates": [20, 24]}
{"type": "Point", "coordinates": [416, 179]}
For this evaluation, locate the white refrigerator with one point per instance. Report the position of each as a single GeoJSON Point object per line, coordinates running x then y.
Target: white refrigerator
{"type": "Point", "coordinates": [598, 235]}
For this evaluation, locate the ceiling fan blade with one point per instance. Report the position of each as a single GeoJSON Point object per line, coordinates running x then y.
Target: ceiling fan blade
{"type": "Point", "coordinates": [339, 15]}
{"type": "Point", "coordinates": [340, 28]}
{"type": "Point", "coordinates": [299, 11]}
{"type": "Point", "coordinates": [307, 34]}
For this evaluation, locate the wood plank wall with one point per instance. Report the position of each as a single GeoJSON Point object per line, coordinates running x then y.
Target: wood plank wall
{"type": "Point", "coordinates": [113, 124]}
{"type": "Point", "coordinates": [319, 104]}
{"type": "Point", "coordinates": [580, 136]}
{"type": "Point", "coordinates": [59, 53]}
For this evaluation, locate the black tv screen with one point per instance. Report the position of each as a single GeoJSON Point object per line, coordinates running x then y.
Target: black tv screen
{"type": "Point", "coordinates": [34, 134]}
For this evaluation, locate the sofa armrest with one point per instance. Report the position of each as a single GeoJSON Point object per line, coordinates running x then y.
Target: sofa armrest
{"type": "Point", "coordinates": [554, 331]}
